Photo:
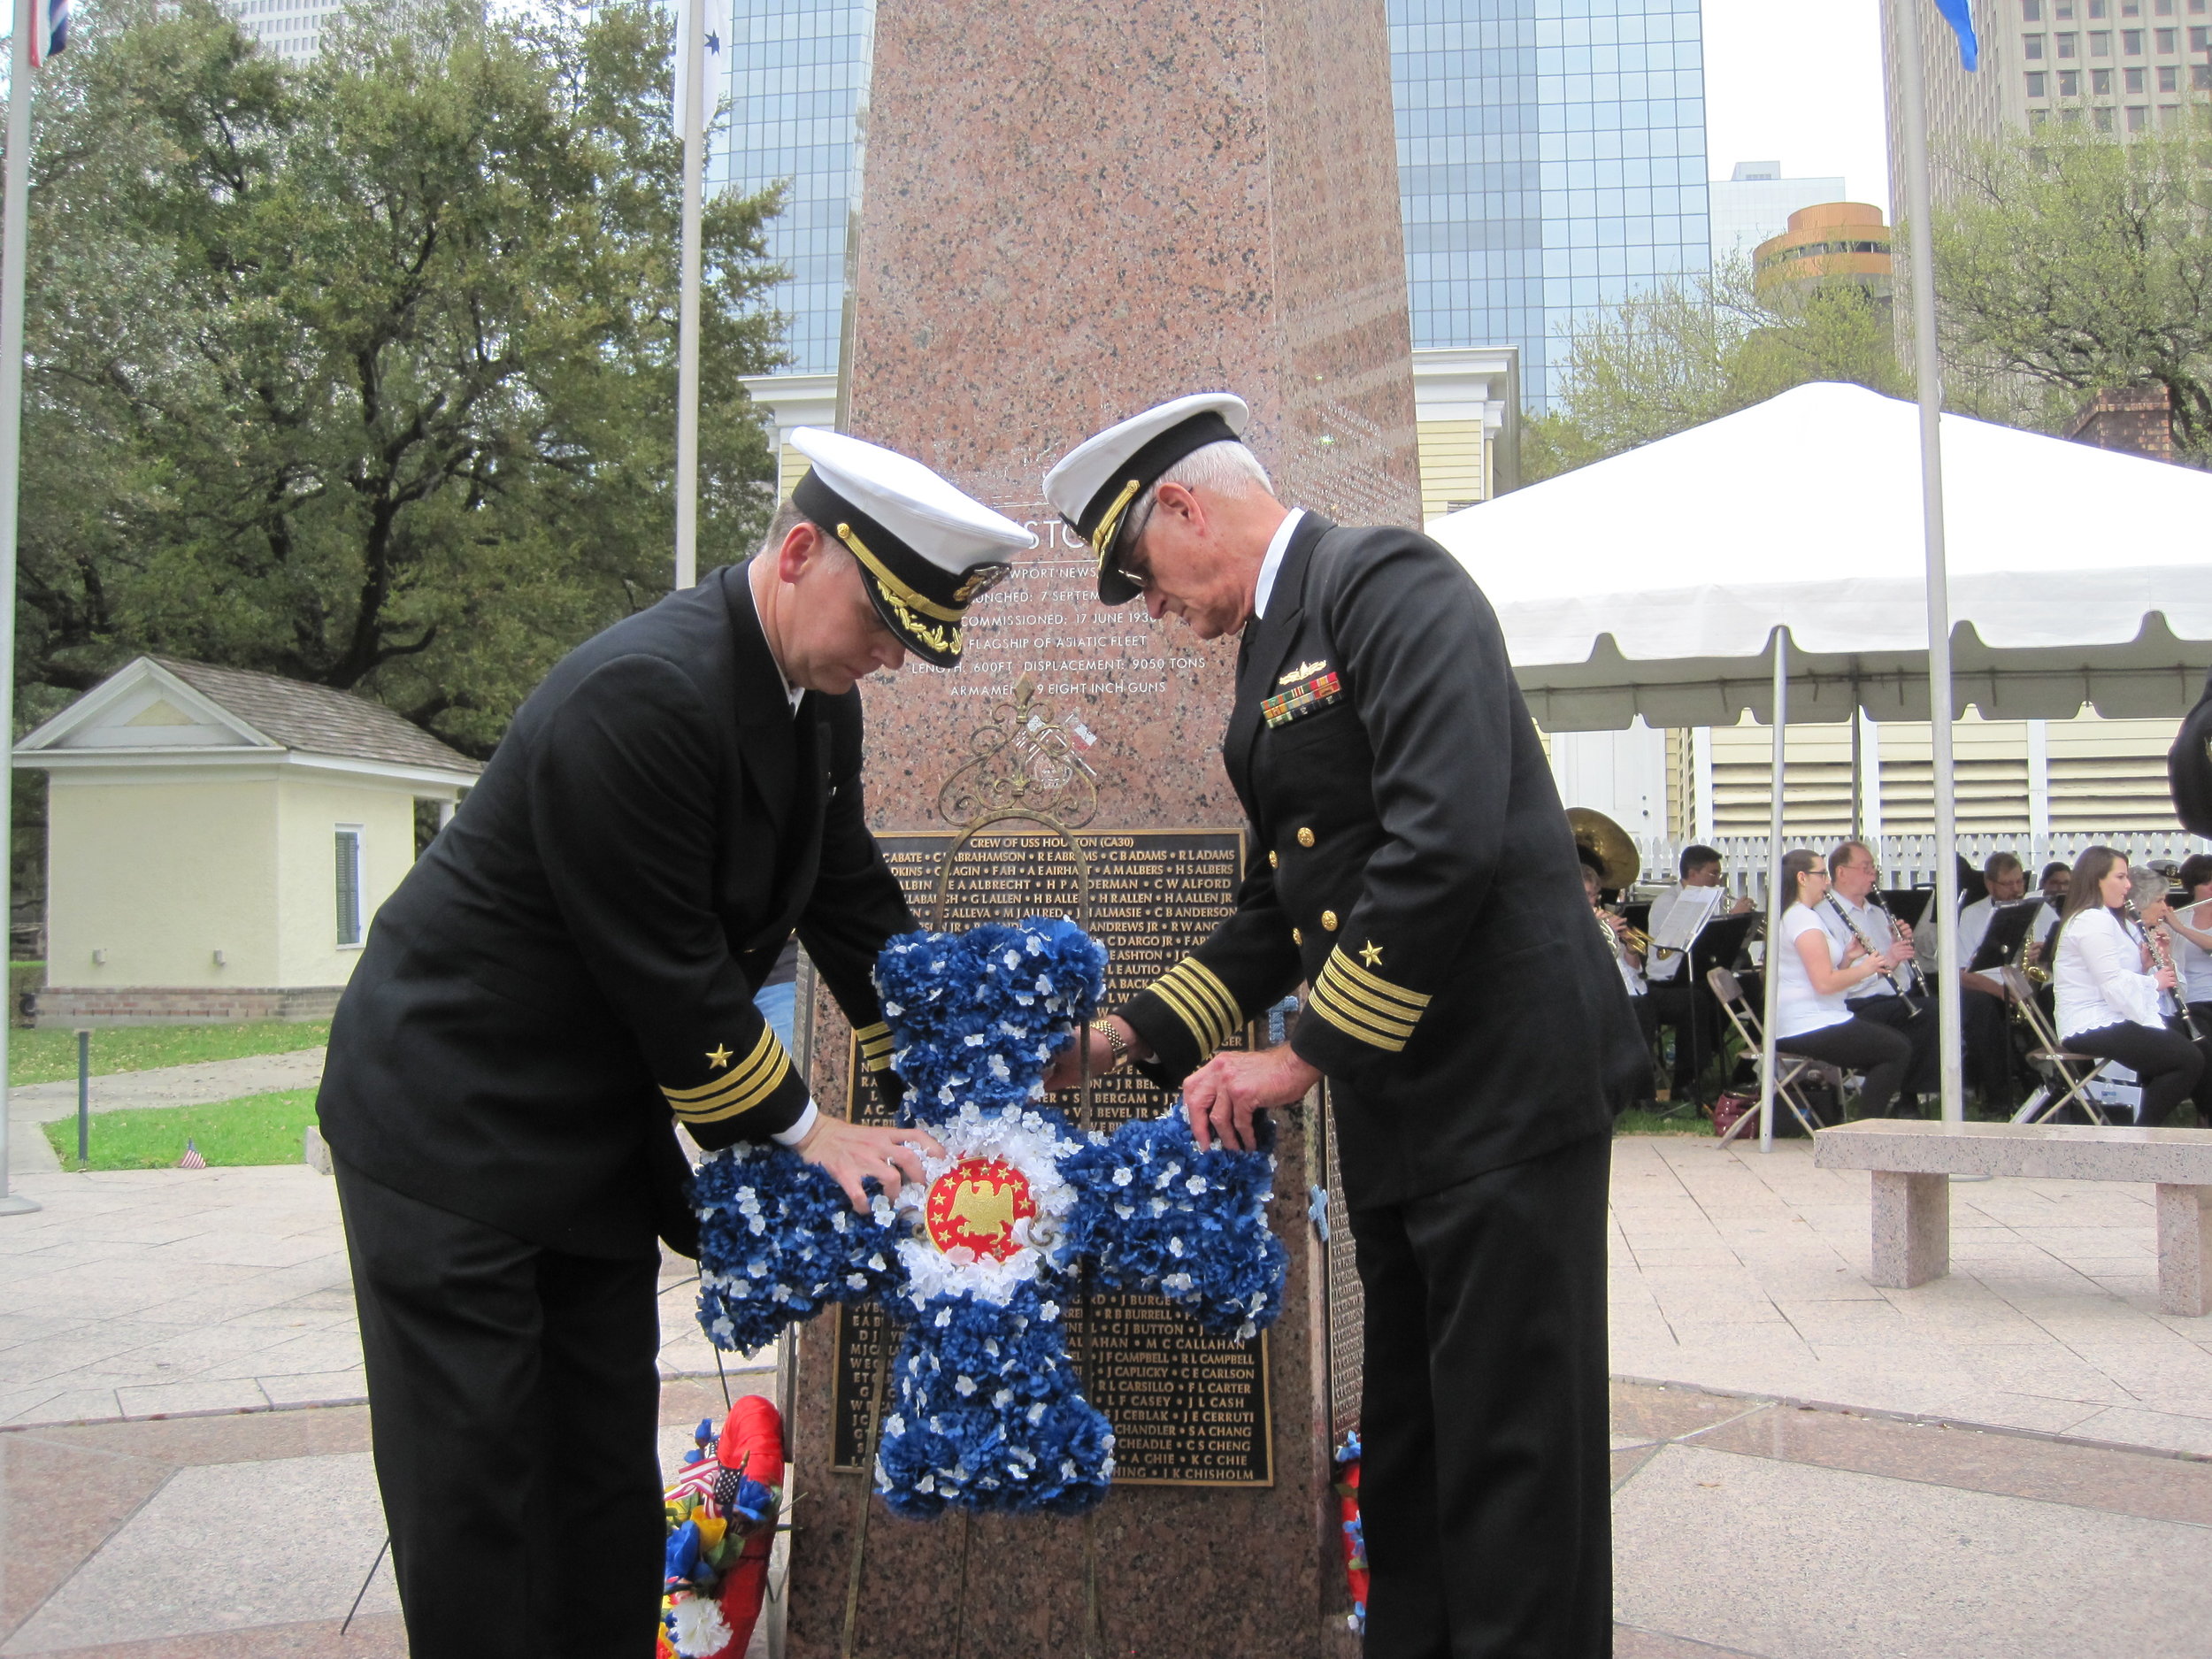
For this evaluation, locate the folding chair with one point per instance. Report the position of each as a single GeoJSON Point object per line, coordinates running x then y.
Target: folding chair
{"type": "Point", "coordinates": [2066, 1076]}
{"type": "Point", "coordinates": [1790, 1069]}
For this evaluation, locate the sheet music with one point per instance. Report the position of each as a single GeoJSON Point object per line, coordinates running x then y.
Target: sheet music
{"type": "Point", "coordinates": [1692, 909]}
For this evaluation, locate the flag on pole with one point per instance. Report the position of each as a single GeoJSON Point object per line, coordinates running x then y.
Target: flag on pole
{"type": "Point", "coordinates": [50, 29]}
{"type": "Point", "coordinates": [1959, 13]}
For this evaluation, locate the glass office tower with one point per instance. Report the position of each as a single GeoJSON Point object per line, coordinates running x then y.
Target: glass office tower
{"type": "Point", "coordinates": [1551, 158]}
{"type": "Point", "coordinates": [797, 76]}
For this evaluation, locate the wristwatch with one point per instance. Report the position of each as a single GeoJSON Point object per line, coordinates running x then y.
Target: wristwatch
{"type": "Point", "coordinates": [1105, 1028]}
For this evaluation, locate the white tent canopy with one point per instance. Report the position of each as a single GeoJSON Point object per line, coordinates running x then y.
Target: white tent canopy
{"type": "Point", "coordinates": [1652, 583]}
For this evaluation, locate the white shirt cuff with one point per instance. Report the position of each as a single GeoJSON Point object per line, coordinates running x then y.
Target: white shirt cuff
{"type": "Point", "coordinates": [801, 1130]}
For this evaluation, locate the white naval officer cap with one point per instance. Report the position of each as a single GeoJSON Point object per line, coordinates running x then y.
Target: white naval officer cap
{"type": "Point", "coordinates": [927, 550]}
{"type": "Point", "coordinates": [1092, 486]}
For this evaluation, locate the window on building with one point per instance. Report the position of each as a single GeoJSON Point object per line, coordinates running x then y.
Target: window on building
{"type": "Point", "coordinates": [2030, 11]}
{"type": "Point", "coordinates": [2196, 8]}
{"type": "Point", "coordinates": [2069, 45]}
{"type": "Point", "coordinates": [2200, 77]}
{"type": "Point", "coordinates": [2036, 118]}
{"type": "Point", "coordinates": [2130, 42]}
{"type": "Point", "coordinates": [2130, 8]}
{"type": "Point", "coordinates": [2101, 43]}
{"type": "Point", "coordinates": [2098, 9]}
{"type": "Point", "coordinates": [2069, 83]}
{"type": "Point", "coordinates": [2135, 81]}
{"type": "Point", "coordinates": [2104, 119]}
{"type": "Point", "coordinates": [2100, 82]}
{"type": "Point", "coordinates": [2032, 48]}
{"type": "Point", "coordinates": [2200, 40]}
{"type": "Point", "coordinates": [2038, 85]}
{"type": "Point", "coordinates": [2162, 8]}
{"type": "Point", "coordinates": [349, 884]}
{"type": "Point", "coordinates": [2139, 117]}
{"type": "Point", "coordinates": [2170, 77]}
{"type": "Point", "coordinates": [2169, 40]}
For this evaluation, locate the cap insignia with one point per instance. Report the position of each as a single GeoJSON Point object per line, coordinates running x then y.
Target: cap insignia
{"type": "Point", "coordinates": [900, 593]}
{"type": "Point", "coordinates": [980, 580]}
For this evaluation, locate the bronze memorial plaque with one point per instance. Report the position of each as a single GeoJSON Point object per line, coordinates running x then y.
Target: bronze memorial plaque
{"type": "Point", "coordinates": [1188, 1408]}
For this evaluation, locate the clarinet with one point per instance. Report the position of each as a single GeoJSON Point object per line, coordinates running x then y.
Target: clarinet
{"type": "Point", "coordinates": [1867, 945]}
{"type": "Point", "coordinates": [2163, 956]}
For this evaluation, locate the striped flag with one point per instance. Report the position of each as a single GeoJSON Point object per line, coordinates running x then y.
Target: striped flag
{"type": "Point", "coordinates": [1958, 13]}
{"type": "Point", "coordinates": [50, 33]}
{"type": "Point", "coordinates": [191, 1160]}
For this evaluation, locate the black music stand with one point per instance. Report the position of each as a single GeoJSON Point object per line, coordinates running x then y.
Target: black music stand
{"type": "Point", "coordinates": [2007, 935]}
{"type": "Point", "coordinates": [1908, 904]}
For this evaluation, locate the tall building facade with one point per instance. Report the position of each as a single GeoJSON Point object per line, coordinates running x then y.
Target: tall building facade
{"type": "Point", "coordinates": [1551, 158]}
{"type": "Point", "coordinates": [2116, 65]}
{"type": "Point", "coordinates": [795, 73]}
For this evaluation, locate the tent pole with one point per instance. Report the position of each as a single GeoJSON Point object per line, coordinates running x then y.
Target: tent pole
{"type": "Point", "coordinates": [1928, 373]}
{"type": "Point", "coordinates": [1777, 901]}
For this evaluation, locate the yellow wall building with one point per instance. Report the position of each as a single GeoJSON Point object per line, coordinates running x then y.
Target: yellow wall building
{"type": "Point", "coordinates": [219, 841]}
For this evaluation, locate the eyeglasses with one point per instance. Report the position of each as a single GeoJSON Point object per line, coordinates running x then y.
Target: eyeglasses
{"type": "Point", "coordinates": [1133, 568]}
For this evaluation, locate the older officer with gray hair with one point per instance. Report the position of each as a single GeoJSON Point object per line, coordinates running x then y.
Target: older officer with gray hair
{"type": "Point", "coordinates": [568, 972]}
{"type": "Point", "coordinates": [1410, 864]}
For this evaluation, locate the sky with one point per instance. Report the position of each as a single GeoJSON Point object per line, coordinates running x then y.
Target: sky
{"type": "Point", "coordinates": [1798, 82]}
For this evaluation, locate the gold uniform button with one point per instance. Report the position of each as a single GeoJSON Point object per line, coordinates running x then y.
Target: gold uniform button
{"type": "Point", "coordinates": [1305, 837]}
{"type": "Point", "coordinates": [1328, 921]}
{"type": "Point", "coordinates": [1297, 937]}
{"type": "Point", "coordinates": [1274, 861]}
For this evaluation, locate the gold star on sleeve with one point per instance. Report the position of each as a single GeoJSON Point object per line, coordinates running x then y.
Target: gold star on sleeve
{"type": "Point", "coordinates": [717, 1056]}
{"type": "Point", "coordinates": [1371, 954]}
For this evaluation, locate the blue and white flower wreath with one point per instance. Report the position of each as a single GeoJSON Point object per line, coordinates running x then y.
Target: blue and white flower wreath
{"type": "Point", "coordinates": [981, 1257]}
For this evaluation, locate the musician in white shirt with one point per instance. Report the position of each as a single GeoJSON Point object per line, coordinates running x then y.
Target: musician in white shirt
{"type": "Point", "coordinates": [2108, 990]}
{"type": "Point", "coordinates": [1676, 1000]}
{"type": "Point", "coordinates": [1813, 1013]}
{"type": "Point", "coordinates": [1892, 1000]}
{"type": "Point", "coordinates": [2190, 927]}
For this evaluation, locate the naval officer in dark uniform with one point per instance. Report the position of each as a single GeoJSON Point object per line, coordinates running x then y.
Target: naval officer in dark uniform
{"type": "Point", "coordinates": [569, 972]}
{"type": "Point", "coordinates": [1412, 864]}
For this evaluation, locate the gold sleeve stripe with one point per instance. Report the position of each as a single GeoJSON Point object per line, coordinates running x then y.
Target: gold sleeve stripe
{"type": "Point", "coordinates": [753, 1080]}
{"type": "Point", "coordinates": [1386, 1016]}
{"type": "Point", "coordinates": [1349, 1021]}
{"type": "Point", "coordinates": [1179, 1002]}
{"type": "Point", "coordinates": [1414, 1001]}
{"type": "Point", "coordinates": [1206, 984]}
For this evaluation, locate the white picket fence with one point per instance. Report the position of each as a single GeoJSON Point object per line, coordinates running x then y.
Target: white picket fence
{"type": "Point", "coordinates": [1909, 861]}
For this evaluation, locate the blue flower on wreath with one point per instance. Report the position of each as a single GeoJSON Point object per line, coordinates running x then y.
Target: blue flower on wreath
{"type": "Point", "coordinates": [980, 1259]}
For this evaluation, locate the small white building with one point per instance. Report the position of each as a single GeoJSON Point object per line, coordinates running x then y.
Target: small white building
{"type": "Point", "coordinates": [217, 841]}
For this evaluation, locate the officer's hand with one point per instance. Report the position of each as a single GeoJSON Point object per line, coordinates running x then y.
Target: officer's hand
{"type": "Point", "coordinates": [852, 1153]}
{"type": "Point", "coordinates": [1226, 1094]}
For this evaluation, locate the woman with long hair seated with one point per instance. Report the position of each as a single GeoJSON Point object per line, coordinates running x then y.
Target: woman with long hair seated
{"type": "Point", "coordinates": [2108, 990]}
{"type": "Point", "coordinates": [1811, 1015]}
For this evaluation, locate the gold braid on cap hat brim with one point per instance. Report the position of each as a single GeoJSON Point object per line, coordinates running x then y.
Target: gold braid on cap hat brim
{"type": "Point", "coordinates": [899, 593]}
{"type": "Point", "coordinates": [1110, 521]}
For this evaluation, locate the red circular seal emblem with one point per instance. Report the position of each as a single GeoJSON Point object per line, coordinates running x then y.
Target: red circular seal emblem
{"type": "Point", "coordinates": [973, 1206]}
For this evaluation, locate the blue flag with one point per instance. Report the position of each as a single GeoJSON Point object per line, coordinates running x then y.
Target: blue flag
{"type": "Point", "coordinates": [1961, 16]}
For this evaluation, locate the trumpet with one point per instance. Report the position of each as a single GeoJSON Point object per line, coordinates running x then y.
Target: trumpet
{"type": "Point", "coordinates": [1635, 938]}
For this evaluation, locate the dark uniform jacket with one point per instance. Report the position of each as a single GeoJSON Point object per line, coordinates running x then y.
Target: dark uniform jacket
{"type": "Point", "coordinates": [573, 961]}
{"type": "Point", "coordinates": [1411, 863]}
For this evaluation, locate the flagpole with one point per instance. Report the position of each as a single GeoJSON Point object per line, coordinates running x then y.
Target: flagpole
{"type": "Point", "coordinates": [14, 228]}
{"type": "Point", "coordinates": [1928, 372]}
{"type": "Point", "coordinates": [692, 115]}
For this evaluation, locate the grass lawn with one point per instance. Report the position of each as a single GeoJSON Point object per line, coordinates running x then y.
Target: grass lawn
{"type": "Point", "coordinates": [259, 1129]}
{"type": "Point", "coordinates": [48, 1055]}
{"type": "Point", "coordinates": [1691, 1122]}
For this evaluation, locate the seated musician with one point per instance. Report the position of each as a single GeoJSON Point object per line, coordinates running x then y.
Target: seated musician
{"type": "Point", "coordinates": [2153, 921]}
{"type": "Point", "coordinates": [1813, 1015]}
{"type": "Point", "coordinates": [1983, 1004]}
{"type": "Point", "coordinates": [2108, 991]}
{"type": "Point", "coordinates": [1677, 1000]}
{"type": "Point", "coordinates": [2190, 924]}
{"type": "Point", "coordinates": [1854, 914]}
{"type": "Point", "coordinates": [1625, 957]}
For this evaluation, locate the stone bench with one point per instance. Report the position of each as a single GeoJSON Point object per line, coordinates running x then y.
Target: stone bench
{"type": "Point", "coordinates": [1913, 1163]}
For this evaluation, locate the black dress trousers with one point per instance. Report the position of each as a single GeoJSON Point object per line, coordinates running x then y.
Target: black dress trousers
{"type": "Point", "coordinates": [515, 1418]}
{"type": "Point", "coordinates": [1485, 1483]}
